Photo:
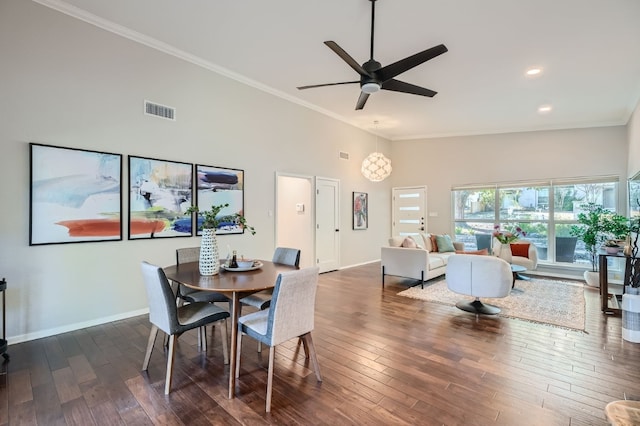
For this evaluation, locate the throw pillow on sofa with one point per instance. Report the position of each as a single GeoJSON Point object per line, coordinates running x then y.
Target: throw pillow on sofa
{"type": "Point", "coordinates": [444, 244]}
{"type": "Point", "coordinates": [426, 239]}
{"type": "Point", "coordinates": [409, 243]}
{"type": "Point", "coordinates": [520, 249]}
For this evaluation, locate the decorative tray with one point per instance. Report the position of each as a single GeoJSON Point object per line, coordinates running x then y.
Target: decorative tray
{"type": "Point", "coordinates": [256, 265]}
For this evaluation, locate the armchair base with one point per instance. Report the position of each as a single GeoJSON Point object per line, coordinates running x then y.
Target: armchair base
{"type": "Point", "coordinates": [477, 307]}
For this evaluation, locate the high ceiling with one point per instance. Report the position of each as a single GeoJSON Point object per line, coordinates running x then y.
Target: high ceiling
{"type": "Point", "coordinates": [589, 51]}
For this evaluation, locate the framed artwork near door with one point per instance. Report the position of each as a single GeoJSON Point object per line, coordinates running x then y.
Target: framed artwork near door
{"type": "Point", "coordinates": [360, 210]}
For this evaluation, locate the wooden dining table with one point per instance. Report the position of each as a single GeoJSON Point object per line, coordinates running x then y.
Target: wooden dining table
{"type": "Point", "coordinates": [235, 285]}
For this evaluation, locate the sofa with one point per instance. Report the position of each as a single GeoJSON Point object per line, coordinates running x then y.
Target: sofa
{"type": "Point", "coordinates": [420, 260]}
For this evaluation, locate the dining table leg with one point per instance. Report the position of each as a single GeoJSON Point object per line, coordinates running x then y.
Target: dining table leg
{"type": "Point", "coordinates": [235, 313]}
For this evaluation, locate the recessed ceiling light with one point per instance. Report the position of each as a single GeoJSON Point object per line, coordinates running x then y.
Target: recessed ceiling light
{"type": "Point", "coordinates": [544, 109]}
{"type": "Point", "coordinates": [534, 71]}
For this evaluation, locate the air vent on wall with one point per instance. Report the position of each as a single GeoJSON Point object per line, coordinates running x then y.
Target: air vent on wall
{"type": "Point", "coordinates": [344, 155]}
{"type": "Point", "coordinates": [158, 110]}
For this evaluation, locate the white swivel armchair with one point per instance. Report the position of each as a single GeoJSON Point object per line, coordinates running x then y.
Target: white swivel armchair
{"type": "Point", "coordinates": [478, 276]}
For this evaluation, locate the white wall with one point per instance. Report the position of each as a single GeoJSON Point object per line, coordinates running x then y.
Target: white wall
{"type": "Point", "coordinates": [633, 134]}
{"type": "Point", "coordinates": [64, 82]}
{"type": "Point", "coordinates": [446, 162]}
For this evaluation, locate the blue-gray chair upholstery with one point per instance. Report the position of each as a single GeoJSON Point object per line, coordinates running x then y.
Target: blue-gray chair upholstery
{"type": "Point", "coordinates": [283, 255]}
{"type": "Point", "coordinates": [186, 294]}
{"type": "Point", "coordinates": [290, 315]}
{"type": "Point", "coordinates": [165, 315]}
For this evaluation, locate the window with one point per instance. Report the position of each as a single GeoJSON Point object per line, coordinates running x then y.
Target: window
{"type": "Point", "coordinates": [544, 210]}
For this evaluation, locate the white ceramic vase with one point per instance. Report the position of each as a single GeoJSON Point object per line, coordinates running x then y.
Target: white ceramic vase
{"type": "Point", "coordinates": [631, 315]}
{"type": "Point", "coordinates": [505, 252]}
{"type": "Point", "coordinates": [209, 255]}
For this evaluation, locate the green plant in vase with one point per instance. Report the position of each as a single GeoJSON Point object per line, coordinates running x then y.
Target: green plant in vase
{"type": "Point", "coordinates": [209, 261]}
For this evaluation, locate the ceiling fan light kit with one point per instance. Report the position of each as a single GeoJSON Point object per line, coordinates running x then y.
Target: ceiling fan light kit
{"type": "Point", "coordinates": [375, 77]}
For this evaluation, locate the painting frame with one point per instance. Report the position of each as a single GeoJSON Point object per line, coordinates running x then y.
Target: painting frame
{"type": "Point", "coordinates": [75, 195]}
{"type": "Point", "coordinates": [217, 185]}
{"type": "Point", "coordinates": [160, 192]}
{"type": "Point", "coordinates": [360, 209]}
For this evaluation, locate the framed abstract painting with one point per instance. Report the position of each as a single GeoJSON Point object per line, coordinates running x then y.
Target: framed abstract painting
{"type": "Point", "coordinates": [75, 195]}
{"type": "Point", "coordinates": [160, 192]}
{"type": "Point", "coordinates": [220, 185]}
{"type": "Point", "coordinates": [360, 210]}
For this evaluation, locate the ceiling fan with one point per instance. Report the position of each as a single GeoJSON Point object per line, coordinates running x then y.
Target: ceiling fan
{"type": "Point", "coordinates": [373, 76]}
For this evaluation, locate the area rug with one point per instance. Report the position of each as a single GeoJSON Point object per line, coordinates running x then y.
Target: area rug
{"type": "Point", "coordinates": [556, 303]}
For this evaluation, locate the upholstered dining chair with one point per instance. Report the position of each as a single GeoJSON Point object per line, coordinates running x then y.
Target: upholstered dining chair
{"type": "Point", "coordinates": [283, 255]}
{"type": "Point", "coordinates": [165, 315]}
{"type": "Point", "coordinates": [290, 315]}
{"type": "Point", "coordinates": [262, 299]}
{"type": "Point", "coordinates": [186, 294]}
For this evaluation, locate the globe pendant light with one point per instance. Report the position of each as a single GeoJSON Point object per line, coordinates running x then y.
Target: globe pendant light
{"type": "Point", "coordinates": [376, 167]}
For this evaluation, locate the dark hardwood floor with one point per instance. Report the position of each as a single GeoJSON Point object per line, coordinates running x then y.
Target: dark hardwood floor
{"type": "Point", "coordinates": [385, 360]}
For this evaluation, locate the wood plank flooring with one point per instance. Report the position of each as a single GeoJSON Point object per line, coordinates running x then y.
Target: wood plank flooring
{"type": "Point", "coordinates": [385, 360]}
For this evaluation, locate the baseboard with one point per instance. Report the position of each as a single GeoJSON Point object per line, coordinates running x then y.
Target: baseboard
{"type": "Point", "coordinates": [72, 327]}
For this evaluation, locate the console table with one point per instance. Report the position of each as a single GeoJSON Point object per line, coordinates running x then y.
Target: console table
{"type": "Point", "coordinates": [608, 305]}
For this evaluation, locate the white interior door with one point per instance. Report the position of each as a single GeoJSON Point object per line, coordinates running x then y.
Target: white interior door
{"type": "Point", "coordinates": [409, 210]}
{"type": "Point", "coordinates": [327, 224]}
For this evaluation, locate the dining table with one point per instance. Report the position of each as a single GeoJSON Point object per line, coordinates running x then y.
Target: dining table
{"type": "Point", "coordinates": [235, 284]}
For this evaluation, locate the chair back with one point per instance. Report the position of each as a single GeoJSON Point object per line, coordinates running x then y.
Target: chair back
{"type": "Point", "coordinates": [187, 254]}
{"type": "Point", "coordinates": [292, 305]}
{"type": "Point", "coordinates": [483, 241]}
{"type": "Point", "coordinates": [479, 276]}
{"type": "Point", "coordinates": [286, 256]}
{"type": "Point", "coordinates": [162, 302]}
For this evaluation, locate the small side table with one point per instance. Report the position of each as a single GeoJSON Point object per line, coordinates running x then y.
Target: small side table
{"type": "Point", "coordinates": [515, 270]}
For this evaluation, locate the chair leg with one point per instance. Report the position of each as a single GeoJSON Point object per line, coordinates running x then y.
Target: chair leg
{"type": "Point", "coordinates": [150, 343]}
{"type": "Point", "coordinates": [202, 338]}
{"type": "Point", "coordinates": [223, 335]}
{"type": "Point", "coordinates": [167, 380]}
{"type": "Point", "coordinates": [238, 349]}
{"type": "Point", "coordinates": [272, 355]}
{"type": "Point", "coordinates": [259, 347]}
{"type": "Point", "coordinates": [312, 352]}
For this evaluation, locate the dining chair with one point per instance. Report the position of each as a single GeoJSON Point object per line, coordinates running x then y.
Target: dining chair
{"type": "Point", "coordinates": [174, 320]}
{"type": "Point", "coordinates": [282, 255]}
{"type": "Point", "coordinates": [290, 315]}
{"type": "Point", "coordinates": [186, 294]}
{"type": "Point", "coordinates": [262, 299]}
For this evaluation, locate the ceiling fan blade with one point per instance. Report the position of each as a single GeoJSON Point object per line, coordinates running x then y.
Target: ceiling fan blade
{"type": "Point", "coordinates": [362, 100]}
{"type": "Point", "coordinates": [327, 84]}
{"type": "Point", "coordinates": [401, 86]}
{"type": "Point", "coordinates": [345, 57]}
{"type": "Point", "coordinates": [397, 68]}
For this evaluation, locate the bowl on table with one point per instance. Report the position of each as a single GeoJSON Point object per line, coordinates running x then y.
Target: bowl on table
{"type": "Point", "coordinates": [244, 263]}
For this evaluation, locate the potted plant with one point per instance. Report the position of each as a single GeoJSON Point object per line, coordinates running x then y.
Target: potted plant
{"type": "Point", "coordinates": [611, 246]}
{"type": "Point", "coordinates": [596, 225]}
{"type": "Point", "coordinates": [209, 261]}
